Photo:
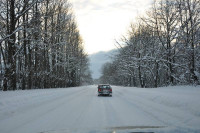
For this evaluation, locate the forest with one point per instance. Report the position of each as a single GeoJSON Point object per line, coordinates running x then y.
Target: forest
{"type": "Point", "coordinates": [40, 46]}
{"type": "Point", "coordinates": [162, 48]}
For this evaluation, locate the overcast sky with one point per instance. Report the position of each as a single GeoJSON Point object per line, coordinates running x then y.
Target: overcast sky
{"type": "Point", "coordinates": [102, 21]}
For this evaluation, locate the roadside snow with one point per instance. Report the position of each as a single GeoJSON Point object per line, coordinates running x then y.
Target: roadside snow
{"type": "Point", "coordinates": [80, 110]}
{"type": "Point", "coordinates": [12, 101]}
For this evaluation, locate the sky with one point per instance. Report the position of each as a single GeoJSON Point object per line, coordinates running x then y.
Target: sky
{"type": "Point", "coordinates": [101, 22]}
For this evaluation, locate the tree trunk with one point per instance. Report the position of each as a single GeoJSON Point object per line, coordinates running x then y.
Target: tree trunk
{"type": "Point", "coordinates": [11, 46]}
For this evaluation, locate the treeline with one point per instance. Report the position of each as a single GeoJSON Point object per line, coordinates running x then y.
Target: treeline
{"type": "Point", "coordinates": [162, 48]}
{"type": "Point", "coordinates": [40, 45]}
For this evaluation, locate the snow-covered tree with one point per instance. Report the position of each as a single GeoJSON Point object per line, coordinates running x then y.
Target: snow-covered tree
{"type": "Point", "coordinates": [161, 49]}
{"type": "Point", "coordinates": [40, 45]}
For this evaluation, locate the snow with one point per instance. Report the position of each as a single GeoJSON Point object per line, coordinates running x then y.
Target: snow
{"type": "Point", "coordinates": [80, 110]}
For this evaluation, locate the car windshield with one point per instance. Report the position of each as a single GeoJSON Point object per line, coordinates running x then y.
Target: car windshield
{"type": "Point", "coordinates": [99, 66]}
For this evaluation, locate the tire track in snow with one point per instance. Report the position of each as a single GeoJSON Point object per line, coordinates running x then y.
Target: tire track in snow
{"type": "Point", "coordinates": [37, 113]}
{"type": "Point", "coordinates": [153, 111]}
{"type": "Point", "coordinates": [139, 108]}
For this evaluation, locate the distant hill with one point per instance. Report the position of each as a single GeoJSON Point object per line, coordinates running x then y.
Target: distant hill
{"type": "Point", "coordinates": [98, 59]}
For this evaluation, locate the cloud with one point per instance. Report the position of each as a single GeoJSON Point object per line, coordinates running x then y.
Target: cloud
{"type": "Point", "coordinates": [92, 5]}
{"type": "Point", "coordinates": [102, 21]}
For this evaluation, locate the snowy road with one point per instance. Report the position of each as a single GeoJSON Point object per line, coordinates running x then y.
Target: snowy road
{"type": "Point", "coordinates": [79, 109]}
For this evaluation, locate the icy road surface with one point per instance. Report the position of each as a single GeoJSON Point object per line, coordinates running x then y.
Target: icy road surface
{"type": "Point", "coordinates": [80, 110]}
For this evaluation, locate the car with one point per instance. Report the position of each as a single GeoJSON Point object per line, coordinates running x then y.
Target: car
{"type": "Point", "coordinates": [104, 89]}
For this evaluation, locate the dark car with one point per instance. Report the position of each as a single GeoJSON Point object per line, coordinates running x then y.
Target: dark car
{"type": "Point", "coordinates": [104, 89]}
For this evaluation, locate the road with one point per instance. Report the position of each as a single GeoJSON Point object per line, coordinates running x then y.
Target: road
{"type": "Point", "coordinates": [81, 110]}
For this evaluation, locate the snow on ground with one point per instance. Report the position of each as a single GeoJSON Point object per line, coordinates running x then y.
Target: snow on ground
{"type": "Point", "coordinates": [80, 110]}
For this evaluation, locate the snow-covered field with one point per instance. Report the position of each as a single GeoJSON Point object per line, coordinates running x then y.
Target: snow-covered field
{"type": "Point", "coordinates": [80, 110]}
